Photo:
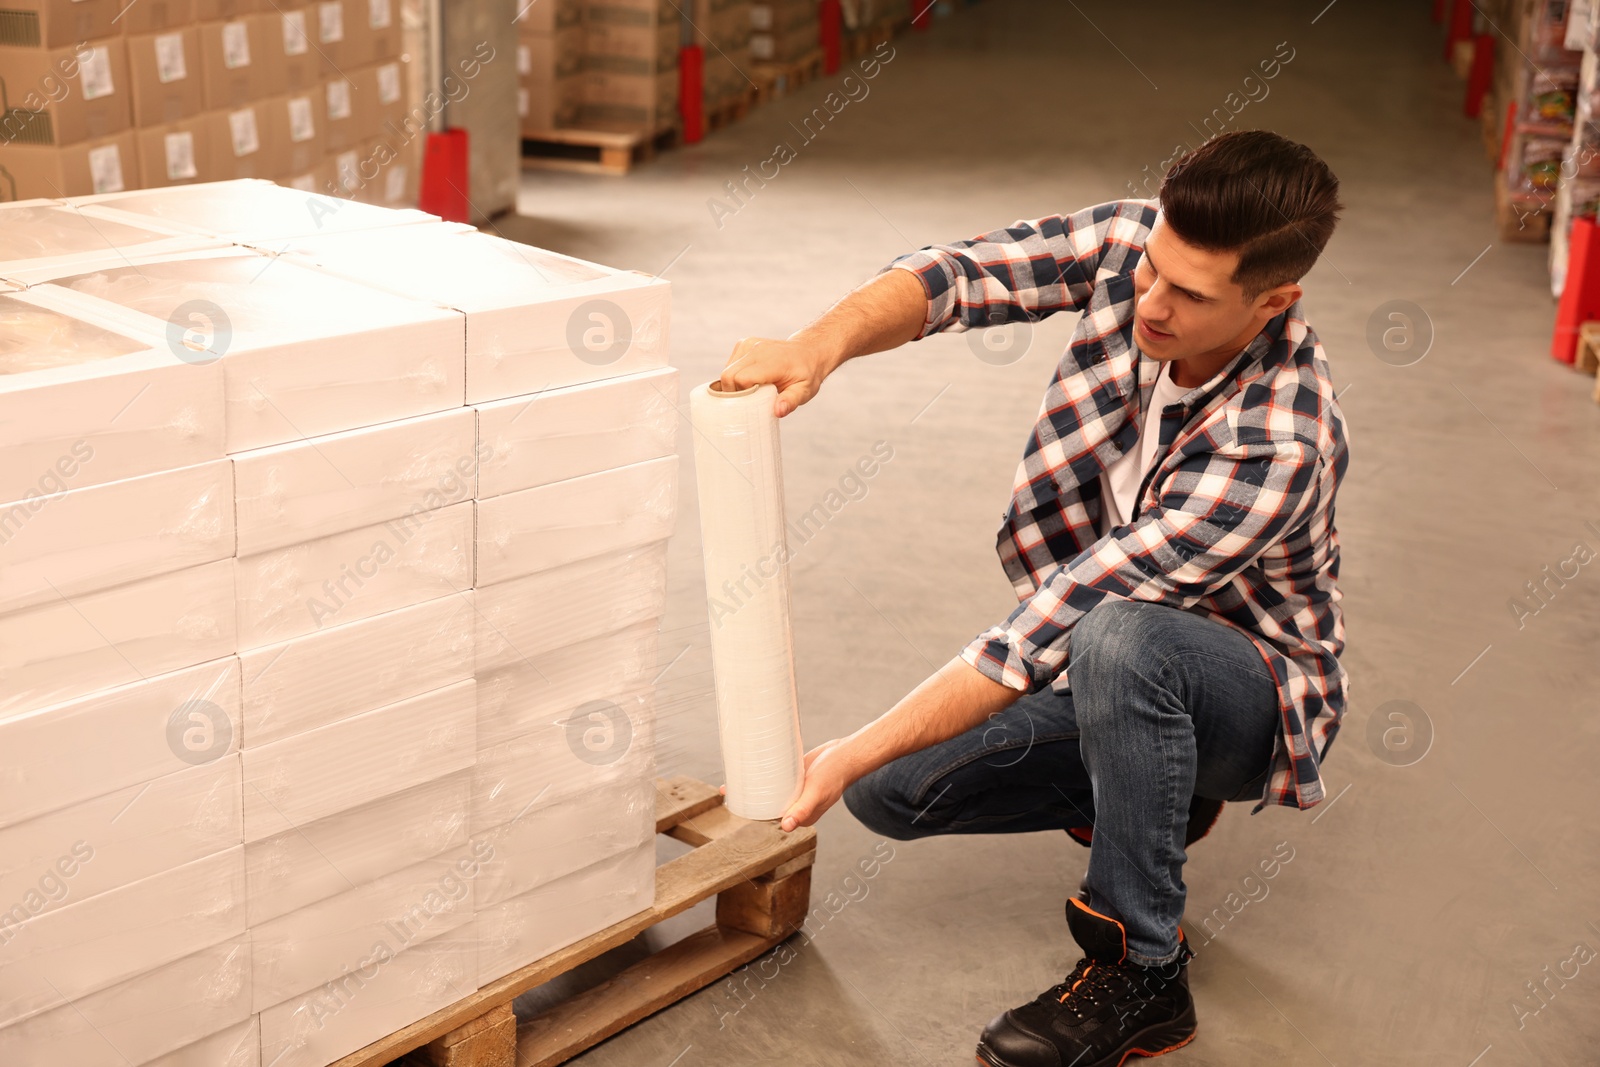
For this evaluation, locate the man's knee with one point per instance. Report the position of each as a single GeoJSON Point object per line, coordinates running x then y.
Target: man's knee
{"type": "Point", "coordinates": [1115, 633]}
{"type": "Point", "coordinates": [880, 805]}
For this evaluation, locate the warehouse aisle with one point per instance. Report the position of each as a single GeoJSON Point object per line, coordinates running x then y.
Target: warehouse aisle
{"type": "Point", "coordinates": [1409, 918]}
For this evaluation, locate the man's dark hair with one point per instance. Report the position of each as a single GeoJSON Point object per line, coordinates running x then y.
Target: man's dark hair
{"type": "Point", "coordinates": [1253, 192]}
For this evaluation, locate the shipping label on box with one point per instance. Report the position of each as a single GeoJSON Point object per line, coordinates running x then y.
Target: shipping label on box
{"type": "Point", "coordinates": [178, 153]}
{"type": "Point", "coordinates": [242, 60]}
{"type": "Point", "coordinates": [302, 65]}
{"type": "Point", "coordinates": [59, 651]}
{"type": "Point", "coordinates": [341, 123]}
{"type": "Point", "coordinates": [64, 96]}
{"type": "Point", "coordinates": [167, 82]}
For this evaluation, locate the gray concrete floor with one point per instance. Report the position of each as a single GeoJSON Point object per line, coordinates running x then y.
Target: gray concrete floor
{"type": "Point", "coordinates": [1423, 898]}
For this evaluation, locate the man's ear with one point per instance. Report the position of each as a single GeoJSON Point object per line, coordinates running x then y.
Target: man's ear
{"type": "Point", "coordinates": [1276, 301]}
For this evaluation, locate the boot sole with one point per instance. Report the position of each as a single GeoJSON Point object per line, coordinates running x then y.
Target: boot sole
{"type": "Point", "coordinates": [1170, 1033]}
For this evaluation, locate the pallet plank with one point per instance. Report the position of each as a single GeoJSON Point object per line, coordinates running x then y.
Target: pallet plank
{"type": "Point", "coordinates": [681, 798]}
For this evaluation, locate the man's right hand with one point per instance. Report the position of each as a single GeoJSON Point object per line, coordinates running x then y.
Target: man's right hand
{"type": "Point", "coordinates": [796, 367]}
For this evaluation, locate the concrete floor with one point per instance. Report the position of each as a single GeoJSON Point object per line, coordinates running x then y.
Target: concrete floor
{"type": "Point", "coordinates": [1422, 899]}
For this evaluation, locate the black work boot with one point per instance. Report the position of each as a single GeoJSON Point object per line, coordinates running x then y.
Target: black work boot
{"type": "Point", "coordinates": [1106, 1010]}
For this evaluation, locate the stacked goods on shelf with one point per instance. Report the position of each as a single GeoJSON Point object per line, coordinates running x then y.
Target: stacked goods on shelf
{"type": "Point", "coordinates": [630, 65]}
{"type": "Point", "coordinates": [783, 31]}
{"type": "Point", "coordinates": [1543, 81]}
{"type": "Point", "coordinates": [550, 46]}
{"type": "Point", "coordinates": [722, 30]}
{"type": "Point", "coordinates": [328, 596]}
{"type": "Point", "coordinates": [189, 91]}
{"type": "Point", "coordinates": [1578, 194]}
{"type": "Point", "coordinates": [64, 78]}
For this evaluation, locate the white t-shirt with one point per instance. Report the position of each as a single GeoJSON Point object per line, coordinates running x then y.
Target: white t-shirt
{"type": "Point", "coordinates": [1119, 483]}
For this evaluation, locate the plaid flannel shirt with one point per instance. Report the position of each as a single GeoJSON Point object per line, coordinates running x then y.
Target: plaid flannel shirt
{"type": "Point", "coordinates": [1235, 521]}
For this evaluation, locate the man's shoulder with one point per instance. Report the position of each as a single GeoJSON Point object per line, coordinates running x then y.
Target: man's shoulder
{"type": "Point", "coordinates": [1292, 394]}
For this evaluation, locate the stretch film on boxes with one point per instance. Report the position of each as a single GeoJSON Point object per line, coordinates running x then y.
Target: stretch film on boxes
{"type": "Point", "coordinates": [557, 839]}
{"type": "Point", "coordinates": [536, 529]}
{"type": "Point", "coordinates": [51, 234]}
{"type": "Point", "coordinates": [740, 476]}
{"type": "Point", "coordinates": [246, 211]}
{"type": "Point", "coordinates": [237, 1046]}
{"type": "Point", "coordinates": [151, 1018]}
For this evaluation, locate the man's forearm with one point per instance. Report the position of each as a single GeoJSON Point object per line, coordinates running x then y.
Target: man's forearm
{"type": "Point", "coordinates": [881, 314]}
{"type": "Point", "coordinates": [949, 702]}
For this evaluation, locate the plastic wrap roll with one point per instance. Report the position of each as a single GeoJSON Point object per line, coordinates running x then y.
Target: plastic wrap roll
{"type": "Point", "coordinates": [747, 586]}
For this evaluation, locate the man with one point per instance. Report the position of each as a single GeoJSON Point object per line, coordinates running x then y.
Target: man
{"type": "Point", "coordinates": [1171, 540]}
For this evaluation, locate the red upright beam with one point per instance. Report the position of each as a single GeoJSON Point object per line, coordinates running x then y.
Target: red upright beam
{"type": "Point", "coordinates": [691, 92]}
{"type": "Point", "coordinates": [829, 28]}
{"type": "Point", "coordinates": [1480, 75]}
{"type": "Point", "coordinates": [1460, 28]}
{"type": "Point", "coordinates": [1580, 297]}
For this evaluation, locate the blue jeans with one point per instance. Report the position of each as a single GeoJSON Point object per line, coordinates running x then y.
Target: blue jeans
{"type": "Point", "coordinates": [1164, 705]}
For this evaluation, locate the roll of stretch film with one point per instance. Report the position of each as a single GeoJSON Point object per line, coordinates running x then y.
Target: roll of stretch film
{"type": "Point", "coordinates": [740, 474]}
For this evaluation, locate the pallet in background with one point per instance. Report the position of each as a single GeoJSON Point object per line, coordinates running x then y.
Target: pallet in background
{"type": "Point", "coordinates": [780, 79]}
{"type": "Point", "coordinates": [761, 878]}
{"type": "Point", "coordinates": [593, 151]}
{"type": "Point", "coordinates": [730, 108]}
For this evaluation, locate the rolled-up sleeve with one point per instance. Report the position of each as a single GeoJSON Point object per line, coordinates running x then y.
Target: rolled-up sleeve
{"type": "Point", "coordinates": [1021, 273]}
{"type": "Point", "coordinates": [1216, 515]}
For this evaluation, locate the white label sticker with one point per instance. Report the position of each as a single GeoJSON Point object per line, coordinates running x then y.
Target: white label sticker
{"type": "Point", "coordinates": [170, 66]}
{"type": "Point", "coordinates": [294, 33]}
{"type": "Point", "coordinates": [302, 127]}
{"type": "Point", "coordinates": [389, 83]}
{"type": "Point", "coordinates": [524, 60]}
{"type": "Point", "coordinates": [379, 16]}
{"type": "Point", "coordinates": [338, 100]}
{"type": "Point", "coordinates": [94, 68]}
{"type": "Point", "coordinates": [345, 164]}
{"type": "Point", "coordinates": [522, 103]}
{"type": "Point", "coordinates": [180, 156]}
{"type": "Point", "coordinates": [235, 45]}
{"type": "Point", "coordinates": [394, 183]}
{"type": "Point", "coordinates": [242, 125]}
{"type": "Point", "coordinates": [330, 21]}
{"type": "Point", "coordinates": [105, 168]}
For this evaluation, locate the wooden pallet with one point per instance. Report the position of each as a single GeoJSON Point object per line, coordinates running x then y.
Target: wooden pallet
{"type": "Point", "coordinates": [593, 151]}
{"type": "Point", "coordinates": [780, 79]}
{"type": "Point", "coordinates": [1587, 357]}
{"type": "Point", "coordinates": [730, 109]}
{"type": "Point", "coordinates": [761, 878]}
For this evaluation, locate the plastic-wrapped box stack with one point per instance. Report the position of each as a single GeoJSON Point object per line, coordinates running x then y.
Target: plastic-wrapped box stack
{"type": "Point", "coordinates": [327, 663]}
{"type": "Point", "coordinates": [722, 29]}
{"type": "Point", "coordinates": [630, 64]}
{"type": "Point", "coordinates": [549, 65]}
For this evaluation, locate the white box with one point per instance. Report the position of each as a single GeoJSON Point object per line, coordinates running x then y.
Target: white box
{"type": "Point", "coordinates": [526, 694]}
{"type": "Point", "coordinates": [611, 741]}
{"type": "Point", "coordinates": [392, 990]}
{"type": "Point", "coordinates": [323, 941]}
{"type": "Point", "coordinates": [320, 859]}
{"type": "Point", "coordinates": [354, 575]}
{"type": "Point", "coordinates": [348, 763]}
{"type": "Point", "coordinates": [302, 353]}
{"type": "Point", "coordinates": [327, 485]}
{"type": "Point", "coordinates": [310, 681]}
{"type": "Point", "coordinates": [200, 999]}
{"type": "Point", "coordinates": [599, 514]}
{"type": "Point", "coordinates": [555, 840]}
{"type": "Point", "coordinates": [94, 944]}
{"type": "Point", "coordinates": [237, 1046]}
{"type": "Point", "coordinates": [46, 233]}
{"type": "Point", "coordinates": [518, 931]}
{"type": "Point", "coordinates": [527, 616]}
{"type": "Point", "coordinates": [82, 403]}
{"type": "Point", "coordinates": [535, 319]}
{"type": "Point", "coordinates": [94, 538]}
{"type": "Point", "coordinates": [74, 751]}
{"type": "Point", "coordinates": [93, 847]}
{"type": "Point", "coordinates": [246, 211]}
{"type": "Point", "coordinates": [583, 429]}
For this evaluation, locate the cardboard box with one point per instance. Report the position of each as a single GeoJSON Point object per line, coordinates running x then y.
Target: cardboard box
{"type": "Point", "coordinates": [71, 752]}
{"type": "Point", "coordinates": [631, 47]}
{"type": "Point", "coordinates": [242, 60]}
{"type": "Point", "coordinates": [582, 429]}
{"type": "Point", "coordinates": [298, 117]}
{"type": "Point", "coordinates": [63, 96]}
{"type": "Point", "coordinates": [99, 536]}
{"type": "Point", "coordinates": [389, 91]}
{"type": "Point", "coordinates": [324, 858]}
{"type": "Point", "coordinates": [179, 153]}
{"type": "Point", "coordinates": [325, 485]}
{"type": "Point", "coordinates": [102, 165]}
{"type": "Point", "coordinates": [191, 1012]}
{"type": "Point", "coordinates": [341, 120]}
{"type": "Point", "coordinates": [302, 65]}
{"type": "Point", "coordinates": [215, 10]}
{"type": "Point", "coordinates": [246, 212]}
{"type": "Point", "coordinates": [548, 16]}
{"type": "Point", "coordinates": [398, 172]}
{"type": "Point", "coordinates": [528, 694]}
{"type": "Point", "coordinates": [644, 102]}
{"type": "Point", "coordinates": [303, 588]}
{"type": "Point", "coordinates": [167, 81]}
{"type": "Point", "coordinates": [156, 16]}
{"type": "Point", "coordinates": [319, 179]}
{"type": "Point", "coordinates": [94, 944]}
{"type": "Point", "coordinates": [354, 761]}
{"type": "Point", "coordinates": [344, 36]}
{"type": "Point", "coordinates": [60, 651]}
{"type": "Point", "coordinates": [57, 23]}
{"type": "Point", "coordinates": [382, 32]}
{"type": "Point", "coordinates": [554, 840]}
{"type": "Point", "coordinates": [534, 530]}
{"type": "Point", "coordinates": [549, 79]}
{"type": "Point", "coordinates": [246, 142]}
{"type": "Point", "coordinates": [560, 607]}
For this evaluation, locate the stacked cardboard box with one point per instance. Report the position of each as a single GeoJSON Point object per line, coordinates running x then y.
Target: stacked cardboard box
{"type": "Point", "coordinates": [328, 600]}
{"type": "Point", "coordinates": [722, 29]}
{"type": "Point", "coordinates": [106, 96]}
{"type": "Point", "coordinates": [783, 30]}
{"type": "Point", "coordinates": [630, 64]}
{"type": "Point", "coordinates": [549, 64]}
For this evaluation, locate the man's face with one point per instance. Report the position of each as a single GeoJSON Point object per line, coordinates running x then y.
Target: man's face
{"type": "Point", "coordinates": [1185, 301]}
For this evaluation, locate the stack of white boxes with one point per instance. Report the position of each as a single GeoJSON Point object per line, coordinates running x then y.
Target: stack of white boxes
{"type": "Point", "coordinates": [327, 647]}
